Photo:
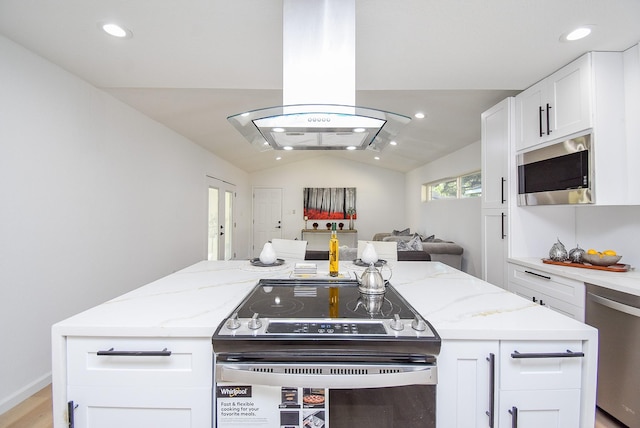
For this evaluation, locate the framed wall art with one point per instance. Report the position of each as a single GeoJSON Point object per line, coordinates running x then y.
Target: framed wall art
{"type": "Point", "coordinates": [333, 203]}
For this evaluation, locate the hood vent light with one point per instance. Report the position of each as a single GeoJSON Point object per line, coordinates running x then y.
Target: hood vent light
{"type": "Point", "coordinates": [318, 47]}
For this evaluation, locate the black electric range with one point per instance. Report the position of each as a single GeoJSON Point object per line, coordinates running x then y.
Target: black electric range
{"type": "Point", "coordinates": [328, 319]}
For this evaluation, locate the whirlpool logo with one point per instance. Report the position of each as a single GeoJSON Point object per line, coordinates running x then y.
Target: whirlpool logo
{"type": "Point", "coordinates": [234, 391]}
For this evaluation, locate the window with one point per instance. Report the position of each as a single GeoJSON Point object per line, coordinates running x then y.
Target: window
{"type": "Point", "coordinates": [464, 186]}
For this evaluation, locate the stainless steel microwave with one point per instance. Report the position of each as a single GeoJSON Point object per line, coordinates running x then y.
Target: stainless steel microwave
{"type": "Point", "coordinates": [561, 173]}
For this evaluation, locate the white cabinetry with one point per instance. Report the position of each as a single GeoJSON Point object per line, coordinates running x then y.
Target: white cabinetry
{"type": "Point", "coordinates": [561, 294]}
{"type": "Point", "coordinates": [489, 383]}
{"type": "Point", "coordinates": [557, 106]}
{"type": "Point", "coordinates": [466, 392]}
{"type": "Point", "coordinates": [136, 382]}
{"type": "Point", "coordinates": [540, 384]}
{"type": "Point", "coordinates": [497, 129]}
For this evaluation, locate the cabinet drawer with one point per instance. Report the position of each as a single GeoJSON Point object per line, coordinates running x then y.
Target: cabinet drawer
{"type": "Point", "coordinates": [538, 366]}
{"type": "Point", "coordinates": [135, 361]}
{"type": "Point", "coordinates": [565, 289]}
{"type": "Point", "coordinates": [572, 311]}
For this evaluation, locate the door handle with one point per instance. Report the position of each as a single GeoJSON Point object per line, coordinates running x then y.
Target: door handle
{"type": "Point", "coordinates": [540, 110]}
{"type": "Point", "coordinates": [514, 417]}
{"type": "Point", "coordinates": [548, 127]}
{"type": "Point", "coordinates": [492, 388]}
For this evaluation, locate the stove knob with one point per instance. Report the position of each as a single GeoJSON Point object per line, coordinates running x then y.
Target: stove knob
{"type": "Point", "coordinates": [254, 322]}
{"type": "Point", "coordinates": [396, 323]}
{"type": "Point", "coordinates": [418, 324]}
{"type": "Point", "coordinates": [233, 323]}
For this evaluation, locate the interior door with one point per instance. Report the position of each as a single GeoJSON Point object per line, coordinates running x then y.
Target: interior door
{"type": "Point", "coordinates": [267, 216]}
{"type": "Point", "coordinates": [221, 223]}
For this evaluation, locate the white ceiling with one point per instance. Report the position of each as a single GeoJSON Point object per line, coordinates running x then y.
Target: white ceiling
{"type": "Point", "coordinates": [192, 63]}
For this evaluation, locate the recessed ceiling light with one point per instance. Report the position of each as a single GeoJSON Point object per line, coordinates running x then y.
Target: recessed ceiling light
{"type": "Point", "coordinates": [287, 148]}
{"type": "Point", "coordinates": [351, 147]}
{"type": "Point", "coordinates": [577, 34]}
{"type": "Point", "coordinates": [393, 143]}
{"type": "Point", "coordinates": [376, 157]}
{"type": "Point", "coordinates": [419, 115]}
{"type": "Point", "coordinates": [278, 129]}
{"type": "Point", "coordinates": [358, 130]}
{"type": "Point", "coordinates": [279, 157]}
{"type": "Point", "coordinates": [115, 30]}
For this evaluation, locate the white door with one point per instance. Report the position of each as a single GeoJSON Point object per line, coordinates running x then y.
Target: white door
{"type": "Point", "coordinates": [220, 215]}
{"type": "Point", "coordinates": [267, 217]}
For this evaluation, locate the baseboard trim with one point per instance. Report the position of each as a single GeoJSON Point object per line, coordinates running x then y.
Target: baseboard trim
{"type": "Point", "coordinates": [23, 393]}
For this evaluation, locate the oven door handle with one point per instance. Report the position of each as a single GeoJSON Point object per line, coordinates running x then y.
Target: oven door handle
{"type": "Point", "coordinates": [420, 376]}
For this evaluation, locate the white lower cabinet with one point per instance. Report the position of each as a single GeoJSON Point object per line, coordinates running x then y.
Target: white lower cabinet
{"type": "Point", "coordinates": [509, 384]}
{"type": "Point", "coordinates": [561, 294]}
{"type": "Point", "coordinates": [466, 383]}
{"type": "Point", "coordinates": [136, 382]}
{"type": "Point", "coordinates": [540, 384]}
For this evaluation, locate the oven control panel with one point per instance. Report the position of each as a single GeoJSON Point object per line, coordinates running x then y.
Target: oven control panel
{"type": "Point", "coordinates": [326, 328]}
{"type": "Point", "coordinates": [256, 326]}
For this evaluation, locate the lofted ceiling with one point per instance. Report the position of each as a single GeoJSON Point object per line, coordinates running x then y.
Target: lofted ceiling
{"type": "Point", "coordinates": [192, 63]}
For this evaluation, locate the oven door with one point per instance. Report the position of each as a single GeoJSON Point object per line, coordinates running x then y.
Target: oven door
{"type": "Point", "coordinates": [374, 395]}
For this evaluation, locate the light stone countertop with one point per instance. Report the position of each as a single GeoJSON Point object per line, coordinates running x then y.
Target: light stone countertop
{"type": "Point", "coordinates": [193, 301]}
{"type": "Point", "coordinates": [627, 282]}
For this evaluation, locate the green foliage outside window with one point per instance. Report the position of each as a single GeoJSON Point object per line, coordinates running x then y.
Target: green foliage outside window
{"type": "Point", "coordinates": [464, 186]}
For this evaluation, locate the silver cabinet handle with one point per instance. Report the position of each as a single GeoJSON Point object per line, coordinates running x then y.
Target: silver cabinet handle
{"type": "Point", "coordinates": [113, 353]}
{"type": "Point", "coordinates": [514, 417]}
{"type": "Point", "coordinates": [492, 388]}
{"type": "Point", "coordinates": [616, 306]}
{"type": "Point", "coordinates": [568, 354]}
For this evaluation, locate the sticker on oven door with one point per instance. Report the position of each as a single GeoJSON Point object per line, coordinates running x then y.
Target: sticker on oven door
{"type": "Point", "coordinates": [270, 406]}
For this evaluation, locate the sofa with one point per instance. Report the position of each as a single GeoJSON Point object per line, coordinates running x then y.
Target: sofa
{"type": "Point", "coordinates": [351, 254]}
{"type": "Point", "coordinates": [439, 250]}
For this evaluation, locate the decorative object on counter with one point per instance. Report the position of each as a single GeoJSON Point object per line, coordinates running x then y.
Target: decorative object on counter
{"type": "Point", "coordinates": [369, 254]}
{"type": "Point", "coordinates": [372, 281]}
{"type": "Point", "coordinates": [379, 263]}
{"type": "Point", "coordinates": [618, 267]}
{"type": "Point", "coordinates": [306, 222]}
{"type": "Point", "coordinates": [315, 226]}
{"type": "Point", "coordinates": [268, 254]}
{"type": "Point", "coordinates": [328, 226]}
{"type": "Point", "coordinates": [340, 225]}
{"type": "Point", "coordinates": [558, 252]}
{"type": "Point", "coordinates": [576, 254]}
{"type": "Point", "coordinates": [258, 263]}
{"type": "Point", "coordinates": [601, 259]}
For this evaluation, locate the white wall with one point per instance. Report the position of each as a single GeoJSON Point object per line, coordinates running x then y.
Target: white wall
{"type": "Point", "coordinates": [452, 220]}
{"type": "Point", "coordinates": [96, 200]}
{"type": "Point", "coordinates": [379, 193]}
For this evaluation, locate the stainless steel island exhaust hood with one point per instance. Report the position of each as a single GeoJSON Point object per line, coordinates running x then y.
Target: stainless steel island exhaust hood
{"type": "Point", "coordinates": [318, 111]}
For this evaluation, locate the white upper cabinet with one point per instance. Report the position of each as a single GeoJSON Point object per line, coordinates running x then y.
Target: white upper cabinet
{"type": "Point", "coordinates": [557, 106]}
{"type": "Point", "coordinates": [496, 127]}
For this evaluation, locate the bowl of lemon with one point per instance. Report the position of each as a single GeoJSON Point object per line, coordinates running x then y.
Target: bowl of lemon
{"type": "Point", "coordinates": [604, 258]}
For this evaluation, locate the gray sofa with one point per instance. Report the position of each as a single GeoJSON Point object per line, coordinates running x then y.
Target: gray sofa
{"type": "Point", "coordinates": [447, 252]}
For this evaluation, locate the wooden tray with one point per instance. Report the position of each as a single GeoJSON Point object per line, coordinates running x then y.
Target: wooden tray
{"type": "Point", "coordinates": [618, 267]}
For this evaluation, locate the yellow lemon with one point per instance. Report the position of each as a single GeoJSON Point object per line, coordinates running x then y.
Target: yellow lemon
{"type": "Point", "coordinates": [591, 251]}
{"type": "Point", "coordinates": [609, 253]}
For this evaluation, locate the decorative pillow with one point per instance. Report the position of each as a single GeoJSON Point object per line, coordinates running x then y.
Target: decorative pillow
{"type": "Point", "coordinates": [429, 238]}
{"type": "Point", "coordinates": [404, 232]}
{"type": "Point", "coordinates": [414, 244]}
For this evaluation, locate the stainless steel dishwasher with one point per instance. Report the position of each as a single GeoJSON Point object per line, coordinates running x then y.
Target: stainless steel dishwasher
{"type": "Point", "coordinates": [616, 315]}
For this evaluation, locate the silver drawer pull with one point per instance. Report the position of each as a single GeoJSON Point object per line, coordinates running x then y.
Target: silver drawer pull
{"type": "Point", "coordinates": [568, 354]}
{"type": "Point", "coordinates": [113, 353]}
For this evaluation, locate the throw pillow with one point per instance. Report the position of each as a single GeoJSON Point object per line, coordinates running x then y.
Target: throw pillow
{"type": "Point", "coordinates": [429, 238]}
{"type": "Point", "coordinates": [404, 232]}
{"type": "Point", "coordinates": [414, 244]}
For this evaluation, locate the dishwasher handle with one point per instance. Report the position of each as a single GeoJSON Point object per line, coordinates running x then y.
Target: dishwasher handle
{"type": "Point", "coordinates": [612, 304]}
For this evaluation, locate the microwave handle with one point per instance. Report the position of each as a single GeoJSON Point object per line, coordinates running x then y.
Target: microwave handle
{"type": "Point", "coordinates": [424, 376]}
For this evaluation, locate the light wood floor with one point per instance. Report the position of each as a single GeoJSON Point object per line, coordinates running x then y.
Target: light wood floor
{"type": "Point", "coordinates": [35, 412]}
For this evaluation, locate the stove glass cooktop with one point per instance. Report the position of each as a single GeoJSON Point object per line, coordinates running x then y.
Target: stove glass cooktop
{"type": "Point", "coordinates": [306, 299]}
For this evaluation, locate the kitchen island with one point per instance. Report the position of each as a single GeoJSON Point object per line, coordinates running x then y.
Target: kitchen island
{"type": "Point", "coordinates": [477, 322]}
